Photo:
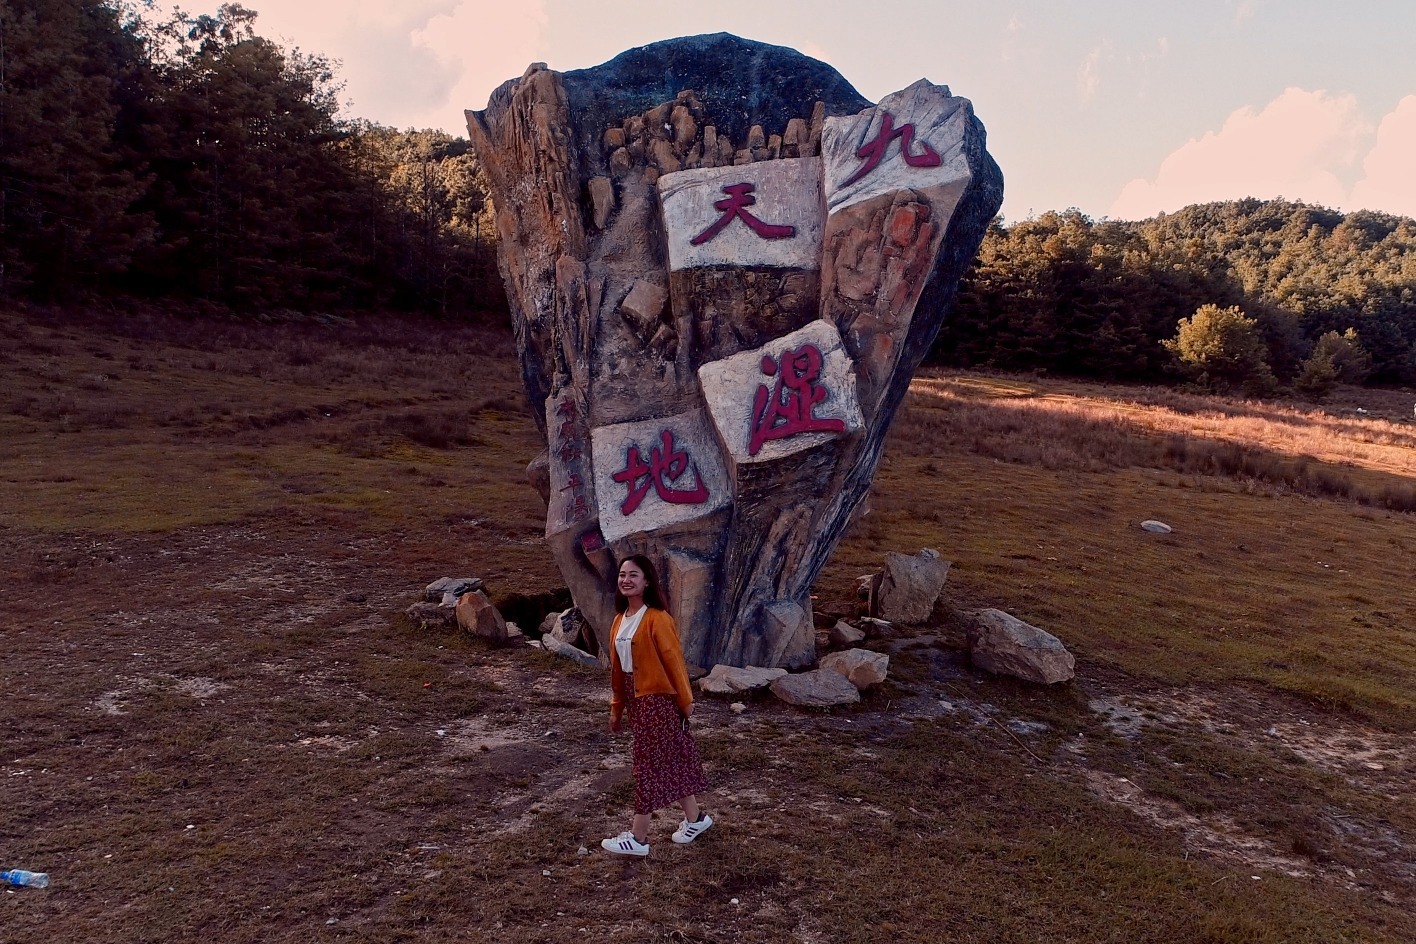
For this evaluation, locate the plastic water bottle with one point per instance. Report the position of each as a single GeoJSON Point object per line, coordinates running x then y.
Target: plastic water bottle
{"type": "Point", "coordinates": [21, 877]}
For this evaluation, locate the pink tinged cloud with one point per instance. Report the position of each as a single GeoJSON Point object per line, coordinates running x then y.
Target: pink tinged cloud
{"type": "Point", "coordinates": [1297, 147]}
{"type": "Point", "coordinates": [1389, 183]}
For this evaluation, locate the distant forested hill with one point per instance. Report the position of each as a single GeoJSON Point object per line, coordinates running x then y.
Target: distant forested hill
{"type": "Point", "coordinates": [1068, 294]}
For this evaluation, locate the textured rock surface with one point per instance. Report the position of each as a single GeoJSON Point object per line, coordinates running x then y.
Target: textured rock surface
{"type": "Point", "coordinates": [730, 680]}
{"type": "Point", "coordinates": [693, 201]}
{"type": "Point", "coordinates": [1005, 645]}
{"type": "Point", "coordinates": [844, 634]}
{"type": "Point", "coordinates": [910, 586]}
{"type": "Point", "coordinates": [861, 667]}
{"type": "Point", "coordinates": [476, 614]}
{"type": "Point", "coordinates": [819, 689]}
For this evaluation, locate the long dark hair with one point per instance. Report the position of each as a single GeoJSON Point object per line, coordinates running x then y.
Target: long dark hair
{"type": "Point", "coordinates": [653, 595]}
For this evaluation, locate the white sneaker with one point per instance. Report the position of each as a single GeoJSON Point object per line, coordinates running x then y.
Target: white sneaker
{"type": "Point", "coordinates": [687, 832]}
{"type": "Point", "coordinates": [626, 844]}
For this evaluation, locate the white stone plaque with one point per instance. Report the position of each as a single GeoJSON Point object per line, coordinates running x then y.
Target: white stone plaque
{"type": "Point", "coordinates": [653, 473]}
{"type": "Point", "coordinates": [767, 213]}
{"type": "Point", "coordinates": [912, 140]}
{"type": "Point", "coordinates": [793, 393]}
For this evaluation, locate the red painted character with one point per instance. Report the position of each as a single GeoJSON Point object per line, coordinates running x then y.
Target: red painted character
{"type": "Point", "coordinates": [789, 407]}
{"type": "Point", "coordinates": [873, 151]}
{"type": "Point", "coordinates": [734, 206]}
{"type": "Point", "coordinates": [666, 464]}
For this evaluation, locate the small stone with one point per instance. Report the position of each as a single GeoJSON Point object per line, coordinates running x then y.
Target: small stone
{"type": "Point", "coordinates": [432, 616]}
{"type": "Point", "coordinates": [730, 680]}
{"type": "Point", "coordinates": [614, 138]}
{"type": "Point", "coordinates": [910, 586]}
{"type": "Point", "coordinates": [437, 591]}
{"type": "Point", "coordinates": [738, 707]}
{"type": "Point", "coordinates": [685, 128]}
{"type": "Point", "coordinates": [620, 162]}
{"type": "Point", "coordinates": [566, 650]}
{"type": "Point", "coordinates": [476, 614]}
{"type": "Point", "coordinates": [821, 688]}
{"type": "Point", "coordinates": [1156, 527]}
{"type": "Point", "coordinates": [861, 667]}
{"type": "Point", "coordinates": [844, 634]}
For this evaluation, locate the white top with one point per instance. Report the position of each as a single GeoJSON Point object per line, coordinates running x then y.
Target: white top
{"type": "Point", "coordinates": [629, 625]}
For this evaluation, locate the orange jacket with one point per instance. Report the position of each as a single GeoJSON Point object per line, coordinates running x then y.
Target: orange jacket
{"type": "Point", "coordinates": [659, 668]}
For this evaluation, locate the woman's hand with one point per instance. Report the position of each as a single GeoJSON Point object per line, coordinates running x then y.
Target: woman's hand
{"type": "Point", "coordinates": [689, 712]}
{"type": "Point", "coordinates": [614, 724]}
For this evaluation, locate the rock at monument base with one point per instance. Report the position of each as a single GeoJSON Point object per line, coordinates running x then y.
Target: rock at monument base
{"type": "Point", "coordinates": [1005, 645]}
{"type": "Point", "coordinates": [567, 651]}
{"type": "Point", "coordinates": [910, 586]}
{"type": "Point", "coordinates": [821, 688]}
{"type": "Point", "coordinates": [433, 616]}
{"type": "Point", "coordinates": [730, 680]}
{"type": "Point", "coordinates": [476, 614]}
{"type": "Point", "coordinates": [447, 590]}
{"type": "Point", "coordinates": [695, 672]}
{"type": "Point", "coordinates": [1156, 527]}
{"type": "Point", "coordinates": [844, 634]}
{"type": "Point", "coordinates": [861, 667]}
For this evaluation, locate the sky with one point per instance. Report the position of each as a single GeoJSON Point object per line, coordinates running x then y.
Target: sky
{"type": "Point", "coordinates": [1120, 109]}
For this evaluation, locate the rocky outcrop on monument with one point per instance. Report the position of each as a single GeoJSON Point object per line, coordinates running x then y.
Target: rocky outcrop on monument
{"type": "Point", "coordinates": [723, 266]}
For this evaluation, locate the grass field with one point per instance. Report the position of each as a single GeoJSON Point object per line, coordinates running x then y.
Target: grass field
{"type": "Point", "coordinates": [221, 728]}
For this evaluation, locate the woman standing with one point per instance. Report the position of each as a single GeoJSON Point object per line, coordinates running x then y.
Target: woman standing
{"type": "Point", "coordinates": [650, 680]}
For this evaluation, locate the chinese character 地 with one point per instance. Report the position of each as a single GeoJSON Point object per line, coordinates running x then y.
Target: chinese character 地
{"type": "Point", "coordinates": [665, 466]}
{"type": "Point", "coordinates": [789, 407]}
{"type": "Point", "coordinates": [734, 206]}
{"type": "Point", "coordinates": [873, 151]}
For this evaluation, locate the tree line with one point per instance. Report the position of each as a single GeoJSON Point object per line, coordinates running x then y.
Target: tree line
{"type": "Point", "coordinates": [190, 158]}
{"type": "Point", "coordinates": [1244, 294]}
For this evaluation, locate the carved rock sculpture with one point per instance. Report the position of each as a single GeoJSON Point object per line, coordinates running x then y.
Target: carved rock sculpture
{"type": "Point", "coordinates": [723, 266]}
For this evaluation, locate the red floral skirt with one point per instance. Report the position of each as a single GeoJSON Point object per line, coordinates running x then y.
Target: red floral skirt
{"type": "Point", "coordinates": [665, 757]}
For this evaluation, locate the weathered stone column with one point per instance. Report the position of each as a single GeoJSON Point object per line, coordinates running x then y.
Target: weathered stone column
{"type": "Point", "coordinates": [724, 266]}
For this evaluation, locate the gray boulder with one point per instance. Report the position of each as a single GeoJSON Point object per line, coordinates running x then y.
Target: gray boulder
{"type": "Point", "coordinates": [431, 616]}
{"type": "Point", "coordinates": [447, 590]}
{"type": "Point", "coordinates": [821, 688]}
{"type": "Point", "coordinates": [844, 634]}
{"type": "Point", "coordinates": [861, 667]}
{"type": "Point", "coordinates": [730, 680]}
{"type": "Point", "coordinates": [566, 651]}
{"type": "Point", "coordinates": [910, 586]}
{"type": "Point", "coordinates": [1005, 645]}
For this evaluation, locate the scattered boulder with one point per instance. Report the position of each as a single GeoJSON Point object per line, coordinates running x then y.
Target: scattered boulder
{"type": "Point", "coordinates": [514, 635]}
{"type": "Point", "coordinates": [1156, 527]}
{"type": "Point", "coordinates": [476, 614]}
{"type": "Point", "coordinates": [820, 688]}
{"type": "Point", "coordinates": [566, 650]}
{"type": "Point", "coordinates": [1005, 645]}
{"type": "Point", "coordinates": [844, 634]}
{"type": "Point", "coordinates": [868, 590]}
{"type": "Point", "coordinates": [447, 590]}
{"type": "Point", "coordinates": [738, 707]}
{"type": "Point", "coordinates": [909, 586]}
{"type": "Point", "coordinates": [695, 672]}
{"type": "Point", "coordinates": [861, 667]}
{"type": "Point", "coordinates": [730, 680]}
{"type": "Point", "coordinates": [432, 616]}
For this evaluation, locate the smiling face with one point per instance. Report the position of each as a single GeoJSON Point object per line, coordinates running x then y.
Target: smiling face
{"type": "Point", "coordinates": [632, 581]}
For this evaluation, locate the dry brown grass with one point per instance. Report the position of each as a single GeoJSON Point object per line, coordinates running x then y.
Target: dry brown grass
{"type": "Point", "coordinates": [207, 532]}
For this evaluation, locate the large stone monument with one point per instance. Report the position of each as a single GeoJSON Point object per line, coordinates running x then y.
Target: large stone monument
{"type": "Point", "coordinates": [723, 266]}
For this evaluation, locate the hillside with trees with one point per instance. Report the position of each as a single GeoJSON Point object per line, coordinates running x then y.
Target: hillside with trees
{"type": "Point", "coordinates": [1107, 299]}
{"type": "Point", "coordinates": [190, 161]}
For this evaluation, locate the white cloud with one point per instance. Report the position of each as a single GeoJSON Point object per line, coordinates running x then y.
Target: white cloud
{"type": "Point", "coordinates": [1390, 167]}
{"type": "Point", "coordinates": [1300, 146]}
{"type": "Point", "coordinates": [1089, 75]}
{"type": "Point", "coordinates": [416, 63]}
